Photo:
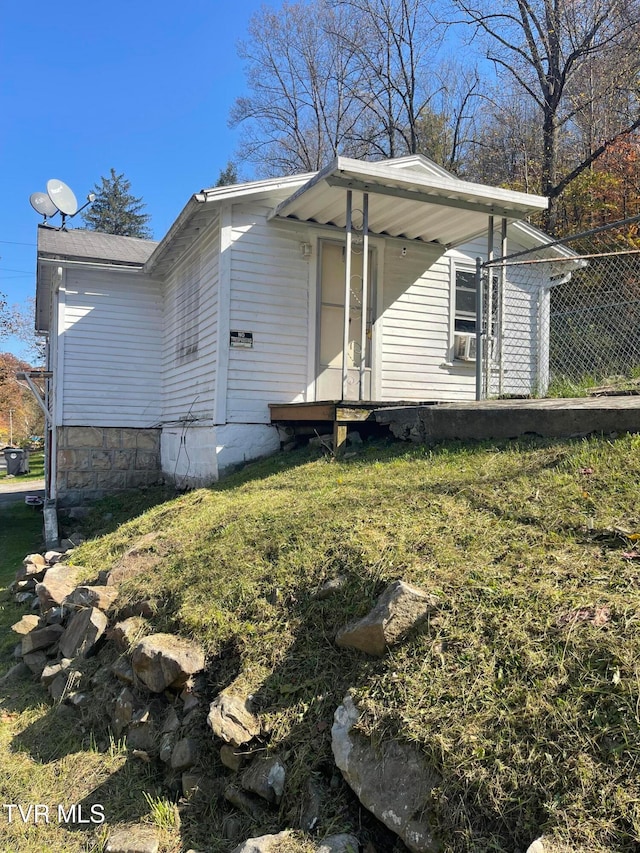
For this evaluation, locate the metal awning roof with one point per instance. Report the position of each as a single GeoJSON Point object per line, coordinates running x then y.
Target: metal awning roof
{"type": "Point", "coordinates": [406, 203]}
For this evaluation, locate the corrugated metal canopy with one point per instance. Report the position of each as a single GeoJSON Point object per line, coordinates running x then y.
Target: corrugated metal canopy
{"type": "Point", "coordinates": [406, 203]}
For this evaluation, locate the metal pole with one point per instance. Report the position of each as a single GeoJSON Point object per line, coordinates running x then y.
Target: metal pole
{"type": "Point", "coordinates": [478, 328]}
{"type": "Point", "coordinates": [365, 284]}
{"type": "Point", "coordinates": [489, 315]}
{"type": "Point", "coordinates": [347, 299]}
{"type": "Point", "coordinates": [503, 287]}
{"type": "Point", "coordinates": [11, 427]}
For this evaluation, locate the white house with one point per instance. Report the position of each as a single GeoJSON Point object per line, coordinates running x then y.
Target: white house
{"type": "Point", "coordinates": [164, 358]}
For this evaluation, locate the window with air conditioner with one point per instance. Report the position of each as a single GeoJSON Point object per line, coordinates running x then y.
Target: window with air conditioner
{"type": "Point", "coordinates": [464, 320]}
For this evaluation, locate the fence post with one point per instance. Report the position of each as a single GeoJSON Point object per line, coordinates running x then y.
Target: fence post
{"type": "Point", "coordinates": [479, 328]}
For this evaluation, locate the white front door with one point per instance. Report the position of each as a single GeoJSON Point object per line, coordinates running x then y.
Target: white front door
{"type": "Point", "coordinates": [331, 316]}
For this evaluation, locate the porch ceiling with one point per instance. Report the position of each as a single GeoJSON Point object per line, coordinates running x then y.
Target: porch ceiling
{"type": "Point", "coordinates": [406, 204]}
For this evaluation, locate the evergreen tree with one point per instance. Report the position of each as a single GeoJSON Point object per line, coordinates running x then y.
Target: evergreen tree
{"type": "Point", "coordinates": [115, 210]}
{"type": "Point", "coordinates": [228, 175]}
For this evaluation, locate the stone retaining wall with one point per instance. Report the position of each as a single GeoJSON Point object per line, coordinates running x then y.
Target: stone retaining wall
{"type": "Point", "coordinates": [93, 461]}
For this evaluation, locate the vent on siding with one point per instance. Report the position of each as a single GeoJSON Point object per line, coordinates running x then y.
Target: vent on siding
{"type": "Point", "coordinates": [188, 312]}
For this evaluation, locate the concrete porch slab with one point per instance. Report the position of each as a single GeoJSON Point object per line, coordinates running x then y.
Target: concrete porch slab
{"type": "Point", "coordinates": [554, 418]}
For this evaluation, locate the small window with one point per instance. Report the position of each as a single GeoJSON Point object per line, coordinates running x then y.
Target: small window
{"type": "Point", "coordinates": [465, 313]}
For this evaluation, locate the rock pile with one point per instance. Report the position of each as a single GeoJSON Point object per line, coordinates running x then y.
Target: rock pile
{"type": "Point", "coordinates": [152, 688]}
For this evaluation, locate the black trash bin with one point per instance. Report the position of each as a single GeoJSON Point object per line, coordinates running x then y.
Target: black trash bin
{"type": "Point", "coordinates": [14, 457]}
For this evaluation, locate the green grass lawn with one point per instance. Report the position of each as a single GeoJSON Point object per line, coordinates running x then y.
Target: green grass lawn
{"type": "Point", "coordinates": [523, 690]}
{"type": "Point", "coordinates": [20, 534]}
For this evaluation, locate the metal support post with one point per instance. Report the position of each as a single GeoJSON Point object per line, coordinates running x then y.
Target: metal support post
{"type": "Point", "coordinates": [488, 319]}
{"type": "Point", "coordinates": [478, 328]}
{"type": "Point", "coordinates": [503, 287]}
{"type": "Point", "coordinates": [347, 299]}
{"type": "Point", "coordinates": [365, 285]}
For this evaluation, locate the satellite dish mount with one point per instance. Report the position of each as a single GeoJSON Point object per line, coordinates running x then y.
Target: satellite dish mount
{"type": "Point", "coordinates": [59, 198]}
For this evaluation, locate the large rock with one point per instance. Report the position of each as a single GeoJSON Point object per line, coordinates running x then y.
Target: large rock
{"type": "Point", "coordinates": [41, 638]}
{"type": "Point", "coordinates": [64, 683]}
{"type": "Point", "coordinates": [35, 560]}
{"type": "Point", "coordinates": [83, 632]}
{"type": "Point", "coordinates": [282, 841]}
{"type": "Point", "coordinates": [123, 710]}
{"type": "Point", "coordinates": [164, 660]}
{"type": "Point", "coordinates": [53, 670]}
{"type": "Point", "coordinates": [231, 718]}
{"type": "Point", "coordinates": [36, 662]}
{"type": "Point", "coordinates": [392, 780]}
{"type": "Point", "coordinates": [399, 608]}
{"type": "Point", "coordinates": [134, 839]}
{"type": "Point", "coordinates": [185, 754]}
{"type": "Point", "coordinates": [143, 732]}
{"type": "Point", "coordinates": [232, 757]}
{"type": "Point", "coordinates": [265, 777]}
{"type": "Point", "coordinates": [123, 670]}
{"type": "Point", "coordinates": [101, 597]}
{"type": "Point", "coordinates": [26, 624]}
{"type": "Point", "coordinates": [34, 568]}
{"type": "Point", "coordinates": [263, 843]}
{"type": "Point", "coordinates": [58, 583]}
{"type": "Point", "coordinates": [128, 632]}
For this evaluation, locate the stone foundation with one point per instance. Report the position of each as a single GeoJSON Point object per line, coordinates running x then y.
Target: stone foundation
{"type": "Point", "coordinates": [94, 461]}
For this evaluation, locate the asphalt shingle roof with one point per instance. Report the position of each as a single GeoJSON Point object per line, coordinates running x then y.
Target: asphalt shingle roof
{"type": "Point", "coordinates": [93, 245]}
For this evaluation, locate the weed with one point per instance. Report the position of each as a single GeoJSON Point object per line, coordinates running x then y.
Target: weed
{"type": "Point", "coordinates": [163, 812]}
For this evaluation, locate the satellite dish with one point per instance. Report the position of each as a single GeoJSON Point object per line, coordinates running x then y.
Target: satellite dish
{"type": "Point", "coordinates": [62, 197]}
{"type": "Point", "coordinates": [43, 204]}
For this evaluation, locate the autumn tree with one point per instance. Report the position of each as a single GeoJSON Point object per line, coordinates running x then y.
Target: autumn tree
{"type": "Point", "coordinates": [607, 192]}
{"type": "Point", "coordinates": [551, 49]}
{"type": "Point", "coordinates": [20, 415]}
{"type": "Point", "coordinates": [116, 210]}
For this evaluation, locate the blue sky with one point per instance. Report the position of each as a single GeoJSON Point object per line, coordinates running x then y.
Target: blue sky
{"type": "Point", "coordinates": [142, 86]}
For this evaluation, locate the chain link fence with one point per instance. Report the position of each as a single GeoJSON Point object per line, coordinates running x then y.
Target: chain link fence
{"type": "Point", "coordinates": [564, 317]}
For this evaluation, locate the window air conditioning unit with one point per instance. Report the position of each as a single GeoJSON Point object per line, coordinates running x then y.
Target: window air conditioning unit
{"type": "Point", "coordinates": [464, 346]}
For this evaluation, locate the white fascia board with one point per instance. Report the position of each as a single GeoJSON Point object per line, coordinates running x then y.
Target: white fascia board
{"type": "Point", "coordinates": [232, 192]}
{"type": "Point", "coordinates": [423, 185]}
{"type": "Point", "coordinates": [477, 192]}
{"type": "Point", "coordinates": [268, 185]}
{"type": "Point", "coordinates": [533, 238]}
{"type": "Point", "coordinates": [190, 207]}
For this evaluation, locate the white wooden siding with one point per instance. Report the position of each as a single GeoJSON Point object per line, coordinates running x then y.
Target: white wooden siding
{"type": "Point", "coordinates": [189, 378]}
{"type": "Point", "coordinates": [416, 328]}
{"type": "Point", "coordinates": [520, 330]}
{"type": "Point", "coordinates": [269, 297]}
{"type": "Point", "coordinates": [111, 349]}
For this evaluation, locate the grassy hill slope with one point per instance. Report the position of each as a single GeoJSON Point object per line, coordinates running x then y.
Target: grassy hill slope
{"type": "Point", "coordinates": [523, 690]}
